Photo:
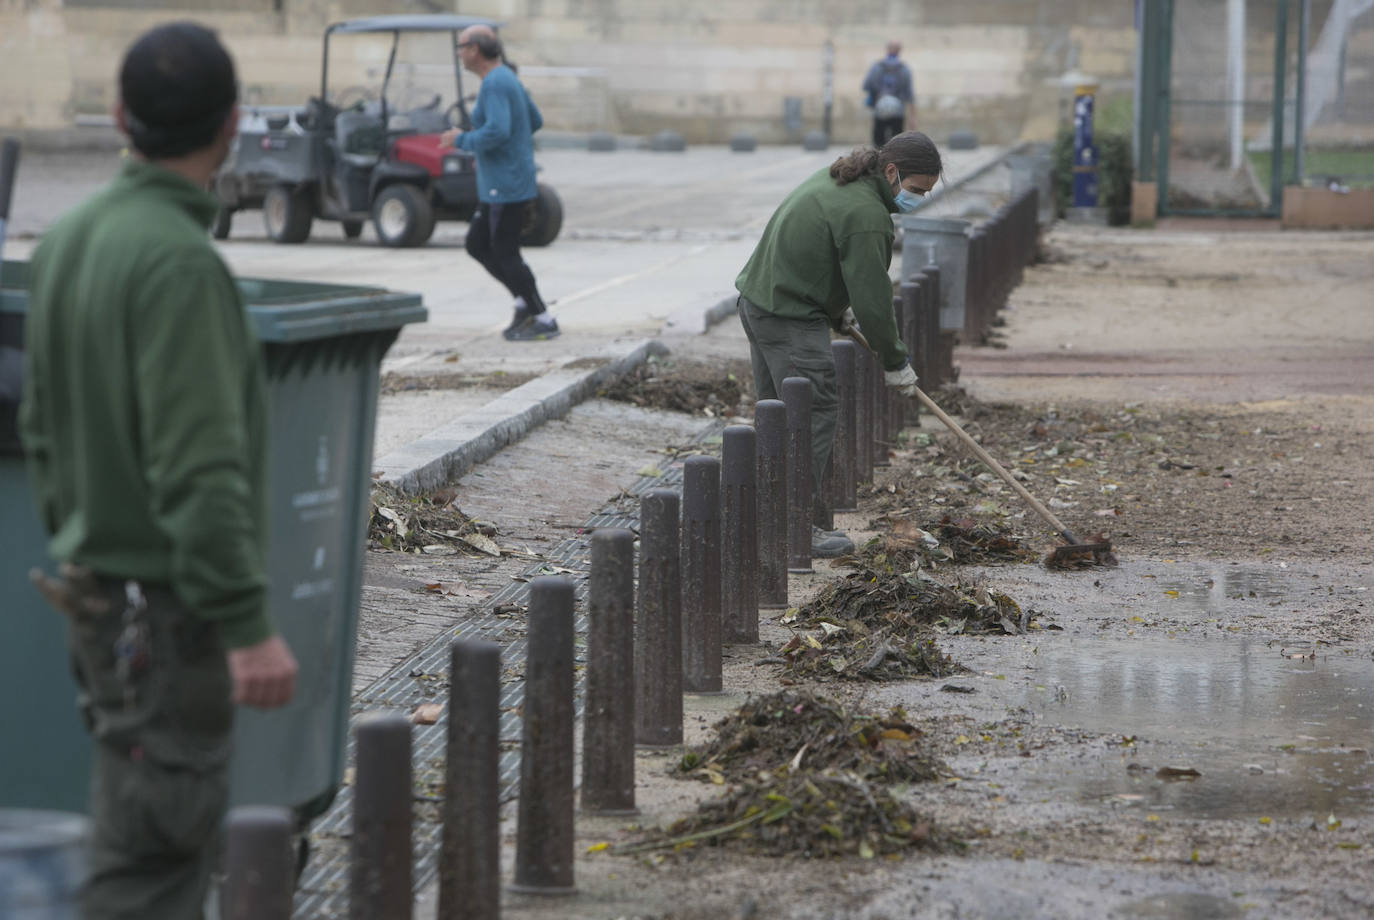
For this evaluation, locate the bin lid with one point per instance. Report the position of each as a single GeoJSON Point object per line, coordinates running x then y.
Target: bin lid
{"type": "Point", "coordinates": [281, 311]}
{"type": "Point", "coordinates": [295, 311]}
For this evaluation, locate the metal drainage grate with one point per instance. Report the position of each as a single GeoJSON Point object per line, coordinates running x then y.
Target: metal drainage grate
{"type": "Point", "coordinates": [323, 889]}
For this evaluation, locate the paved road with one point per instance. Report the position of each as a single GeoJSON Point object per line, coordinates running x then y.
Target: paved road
{"type": "Point", "coordinates": [648, 238]}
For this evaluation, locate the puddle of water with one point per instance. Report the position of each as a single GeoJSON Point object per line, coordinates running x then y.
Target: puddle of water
{"type": "Point", "coordinates": [1181, 907]}
{"type": "Point", "coordinates": [1271, 736]}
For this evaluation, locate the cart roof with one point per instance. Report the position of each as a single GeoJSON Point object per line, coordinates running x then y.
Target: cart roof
{"type": "Point", "coordinates": [412, 23]}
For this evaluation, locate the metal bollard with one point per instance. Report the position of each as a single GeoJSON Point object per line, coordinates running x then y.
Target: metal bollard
{"type": "Point", "coordinates": [976, 297]}
{"type": "Point", "coordinates": [938, 364]}
{"type": "Point", "coordinates": [842, 472]}
{"type": "Point", "coordinates": [260, 868]}
{"type": "Point", "coordinates": [823, 498]}
{"type": "Point", "coordinates": [912, 335]}
{"type": "Point", "coordinates": [470, 854]}
{"type": "Point", "coordinates": [608, 736]}
{"type": "Point", "coordinates": [882, 413]}
{"type": "Point", "coordinates": [863, 416]}
{"type": "Point", "coordinates": [658, 632]}
{"type": "Point", "coordinates": [739, 528]}
{"type": "Point", "coordinates": [796, 395]}
{"type": "Point", "coordinates": [380, 871]}
{"type": "Point", "coordinates": [544, 820]}
{"type": "Point", "coordinates": [770, 422]}
{"type": "Point", "coordinates": [701, 619]}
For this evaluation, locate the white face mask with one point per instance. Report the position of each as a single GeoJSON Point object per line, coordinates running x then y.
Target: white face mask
{"type": "Point", "coordinates": [906, 201]}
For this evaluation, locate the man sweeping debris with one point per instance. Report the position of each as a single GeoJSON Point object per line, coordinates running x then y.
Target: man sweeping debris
{"type": "Point", "coordinates": [821, 264]}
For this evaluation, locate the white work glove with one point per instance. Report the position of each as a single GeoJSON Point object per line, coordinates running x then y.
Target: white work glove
{"type": "Point", "coordinates": [903, 380]}
{"type": "Point", "coordinates": [847, 322]}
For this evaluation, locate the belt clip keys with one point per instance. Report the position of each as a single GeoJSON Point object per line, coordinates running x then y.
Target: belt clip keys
{"type": "Point", "coordinates": [133, 648]}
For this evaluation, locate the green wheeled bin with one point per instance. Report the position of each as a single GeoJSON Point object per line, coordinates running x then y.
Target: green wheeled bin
{"type": "Point", "coordinates": [323, 346]}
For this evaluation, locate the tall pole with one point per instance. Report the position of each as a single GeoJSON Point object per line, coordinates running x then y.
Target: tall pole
{"type": "Point", "coordinates": [1299, 126]}
{"type": "Point", "coordinates": [1235, 77]}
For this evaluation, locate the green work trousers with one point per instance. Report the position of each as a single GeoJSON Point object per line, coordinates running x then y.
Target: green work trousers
{"type": "Point", "coordinates": [159, 785]}
{"type": "Point", "coordinates": [785, 346]}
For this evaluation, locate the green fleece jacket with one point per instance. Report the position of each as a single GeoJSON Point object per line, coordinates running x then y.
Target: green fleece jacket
{"type": "Point", "coordinates": [144, 415]}
{"type": "Point", "coordinates": [828, 247]}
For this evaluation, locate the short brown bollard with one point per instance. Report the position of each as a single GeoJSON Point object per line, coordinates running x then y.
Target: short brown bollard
{"type": "Point", "coordinates": [701, 617]}
{"type": "Point", "coordinates": [739, 531]}
{"type": "Point", "coordinates": [863, 416]}
{"type": "Point", "coordinates": [843, 477]}
{"type": "Point", "coordinates": [770, 424]}
{"type": "Point", "coordinates": [544, 819]}
{"type": "Point", "coordinates": [260, 868]}
{"type": "Point", "coordinates": [796, 395]}
{"type": "Point", "coordinates": [380, 867]}
{"type": "Point", "coordinates": [658, 632]}
{"type": "Point", "coordinates": [608, 734]}
{"type": "Point", "coordinates": [470, 852]}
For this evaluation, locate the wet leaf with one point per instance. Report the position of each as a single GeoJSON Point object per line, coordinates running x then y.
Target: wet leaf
{"type": "Point", "coordinates": [894, 734]}
{"type": "Point", "coordinates": [427, 713]}
{"type": "Point", "coordinates": [480, 542]}
{"type": "Point", "coordinates": [1171, 593]}
{"type": "Point", "coordinates": [599, 847]}
{"type": "Point", "coordinates": [1265, 820]}
{"type": "Point", "coordinates": [1176, 773]}
{"type": "Point", "coordinates": [438, 549]}
{"type": "Point", "coordinates": [650, 472]}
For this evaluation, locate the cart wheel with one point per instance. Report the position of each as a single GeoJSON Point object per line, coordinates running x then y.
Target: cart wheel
{"type": "Point", "coordinates": [352, 229]}
{"type": "Point", "coordinates": [224, 218]}
{"type": "Point", "coordinates": [543, 218]}
{"type": "Point", "coordinates": [402, 215]}
{"type": "Point", "coordinates": [286, 214]}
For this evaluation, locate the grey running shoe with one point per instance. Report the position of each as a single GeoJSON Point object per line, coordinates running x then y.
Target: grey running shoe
{"type": "Point", "coordinates": [535, 329]}
{"type": "Point", "coordinates": [829, 544]}
{"type": "Point", "coordinates": [522, 316]}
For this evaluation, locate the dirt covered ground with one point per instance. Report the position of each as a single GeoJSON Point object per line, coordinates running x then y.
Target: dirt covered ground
{"type": "Point", "coordinates": [1186, 734]}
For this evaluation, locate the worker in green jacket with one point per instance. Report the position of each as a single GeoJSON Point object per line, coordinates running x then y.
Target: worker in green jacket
{"type": "Point", "coordinates": [822, 264]}
{"type": "Point", "coordinates": [144, 424]}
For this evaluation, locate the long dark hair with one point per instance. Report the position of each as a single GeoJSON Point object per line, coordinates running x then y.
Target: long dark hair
{"type": "Point", "coordinates": [913, 153]}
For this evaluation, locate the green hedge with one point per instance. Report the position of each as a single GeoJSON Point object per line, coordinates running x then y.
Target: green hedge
{"type": "Point", "coordinates": [1114, 171]}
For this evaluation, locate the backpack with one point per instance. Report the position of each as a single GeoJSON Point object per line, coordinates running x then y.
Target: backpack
{"type": "Point", "coordinates": [890, 79]}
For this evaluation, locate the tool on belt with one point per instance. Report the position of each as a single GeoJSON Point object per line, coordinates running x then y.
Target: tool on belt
{"type": "Point", "coordinates": [1096, 553]}
{"type": "Point", "coordinates": [133, 649]}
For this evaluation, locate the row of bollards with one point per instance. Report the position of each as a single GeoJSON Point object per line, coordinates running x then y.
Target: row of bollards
{"type": "Point", "coordinates": [708, 561]}
{"type": "Point", "coordinates": [998, 251]}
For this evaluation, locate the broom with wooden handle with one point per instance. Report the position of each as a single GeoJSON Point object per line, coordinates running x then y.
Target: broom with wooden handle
{"type": "Point", "coordinates": [1098, 552]}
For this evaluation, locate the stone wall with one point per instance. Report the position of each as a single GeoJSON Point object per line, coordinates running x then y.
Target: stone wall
{"type": "Point", "coordinates": [629, 66]}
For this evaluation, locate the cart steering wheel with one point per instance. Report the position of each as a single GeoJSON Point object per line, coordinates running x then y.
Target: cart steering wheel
{"type": "Point", "coordinates": [457, 117]}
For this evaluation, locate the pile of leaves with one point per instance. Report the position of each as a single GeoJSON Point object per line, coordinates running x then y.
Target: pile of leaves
{"type": "Point", "coordinates": [807, 779]}
{"type": "Point", "coordinates": [789, 731]}
{"type": "Point", "coordinates": [715, 390]}
{"type": "Point", "coordinates": [946, 541]}
{"type": "Point", "coordinates": [812, 814]}
{"type": "Point", "coordinates": [426, 523]}
{"type": "Point", "coordinates": [881, 625]}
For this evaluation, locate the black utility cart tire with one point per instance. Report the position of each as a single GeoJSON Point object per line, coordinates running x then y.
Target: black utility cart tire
{"type": "Point", "coordinates": [403, 216]}
{"type": "Point", "coordinates": [543, 218]}
{"type": "Point", "coordinates": [352, 229]}
{"type": "Point", "coordinates": [286, 214]}
{"type": "Point", "coordinates": [224, 218]}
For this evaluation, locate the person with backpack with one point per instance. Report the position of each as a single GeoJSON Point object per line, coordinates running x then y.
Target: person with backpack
{"type": "Point", "coordinates": [889, 93]}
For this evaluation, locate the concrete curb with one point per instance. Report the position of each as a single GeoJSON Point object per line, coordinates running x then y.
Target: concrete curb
{"type": "Point", "coordinates": [449, 452]}
{"type": "Point", "coordinates": [696, 321]}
